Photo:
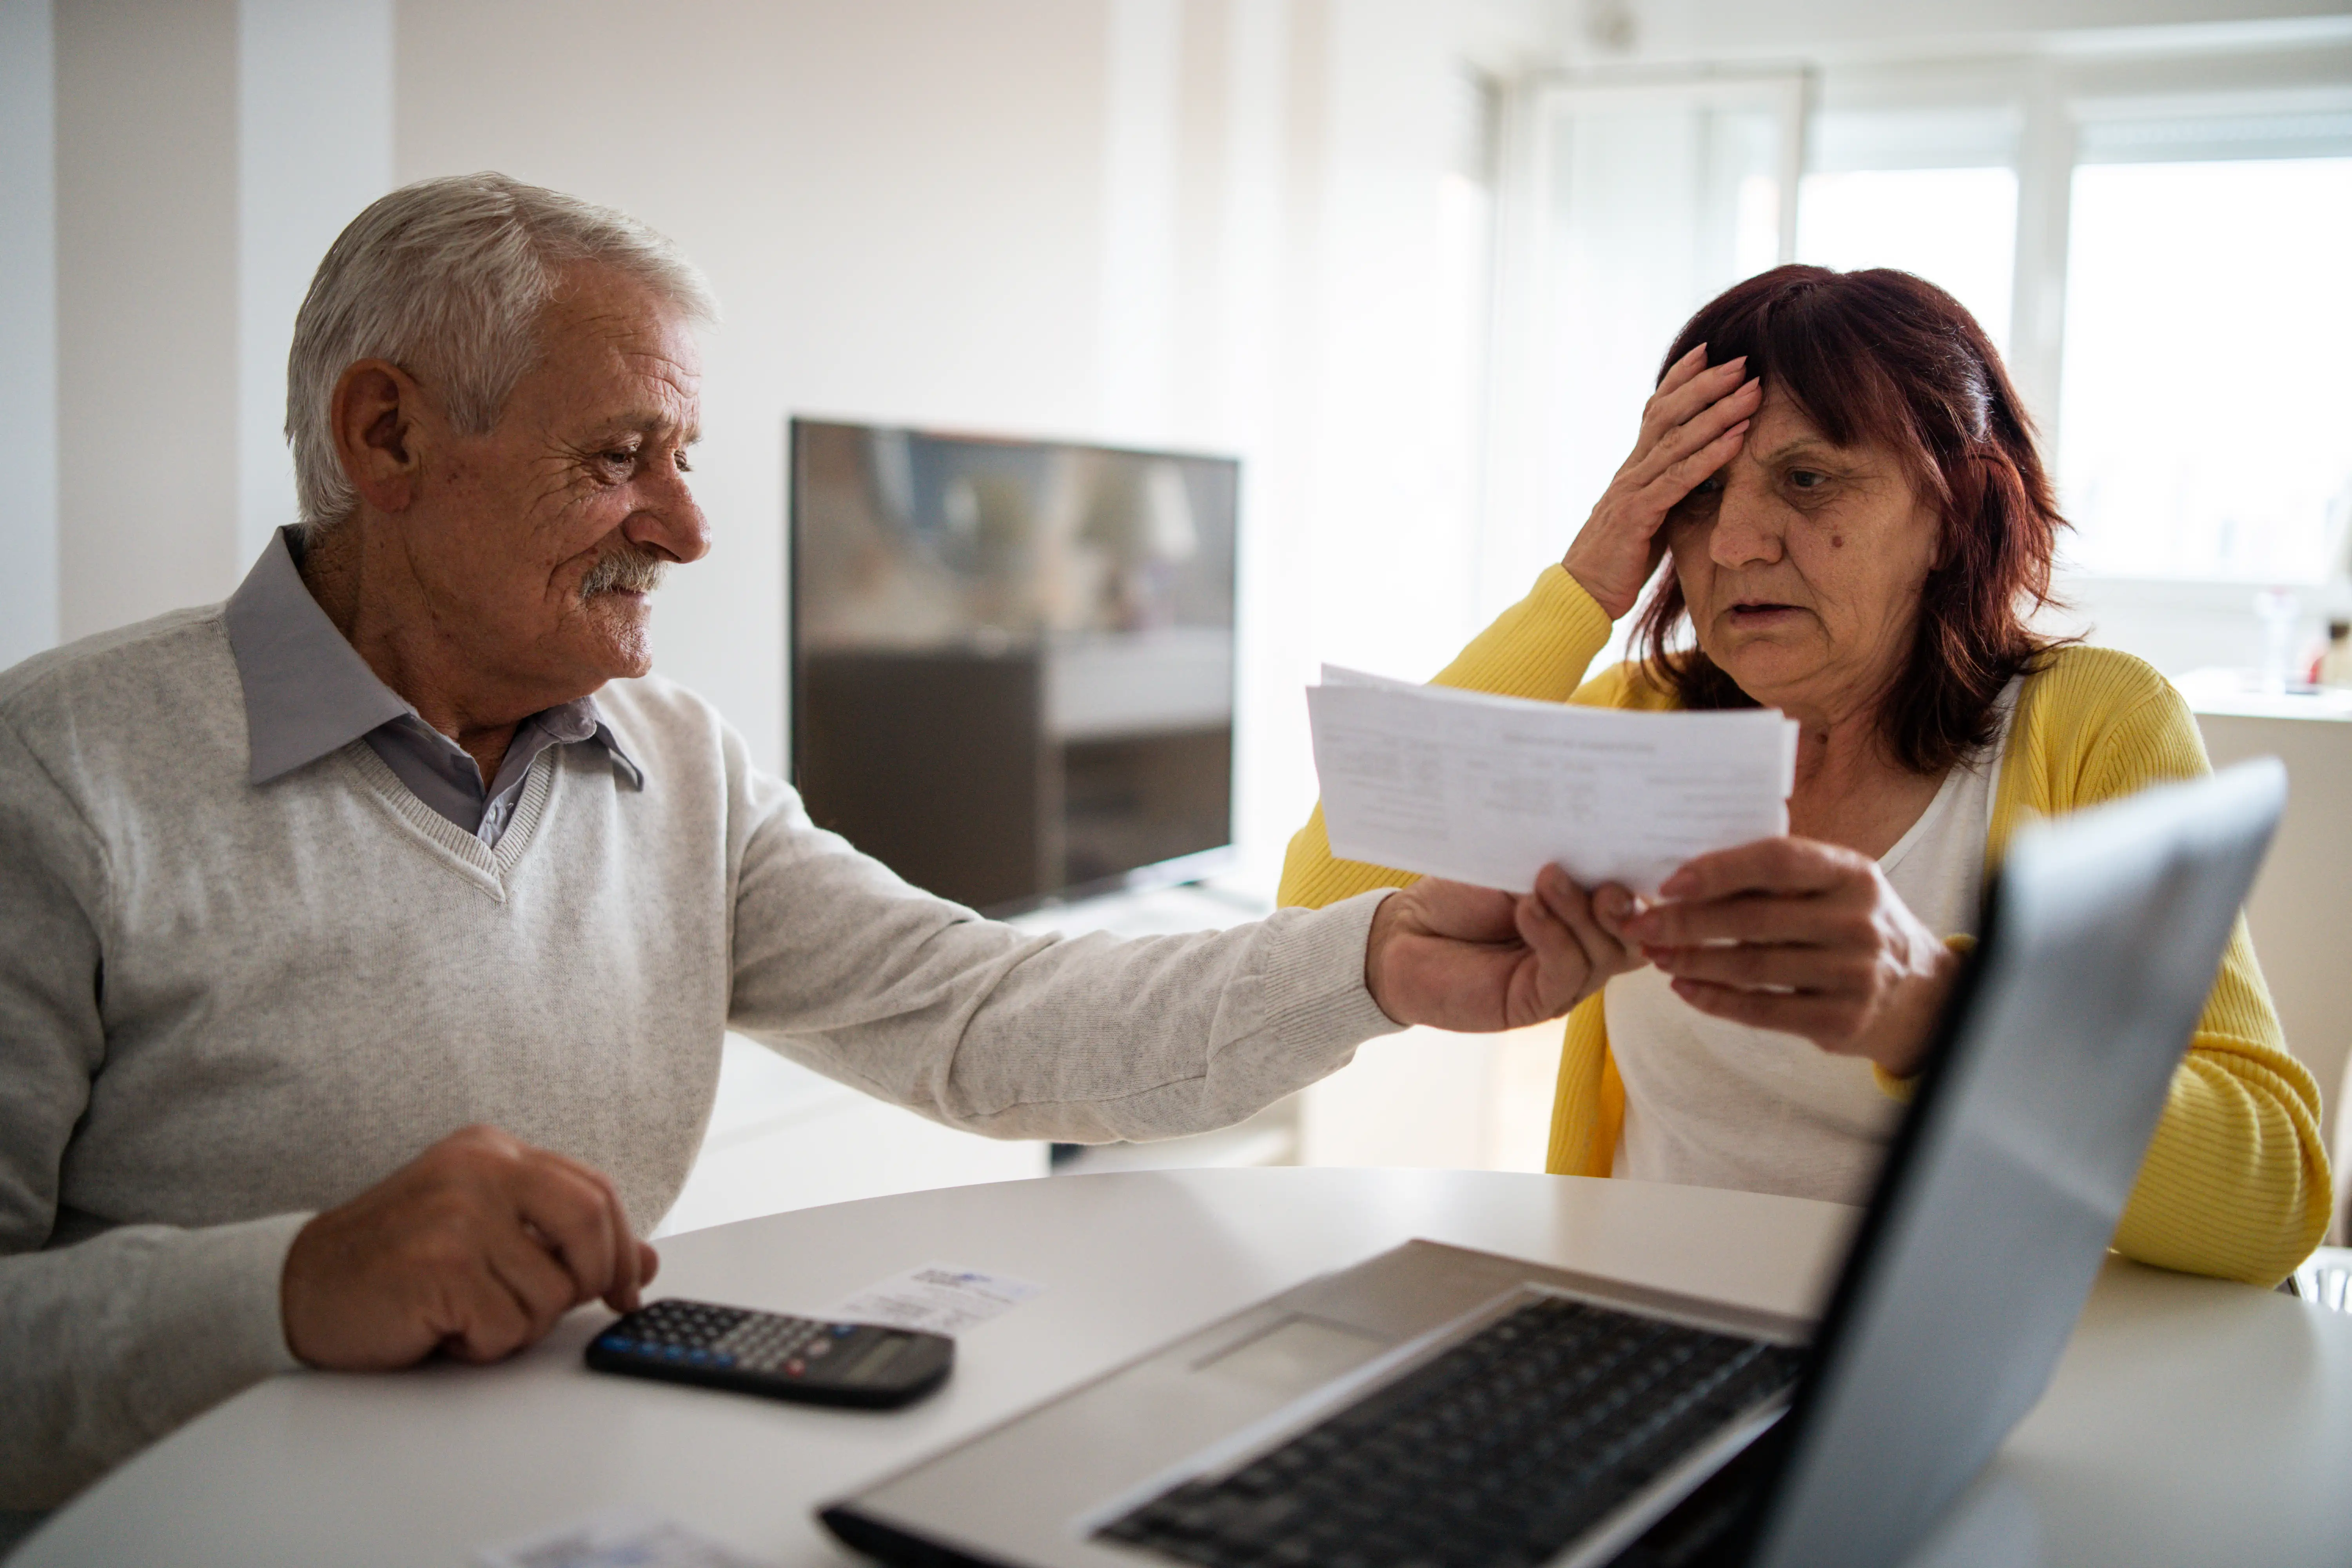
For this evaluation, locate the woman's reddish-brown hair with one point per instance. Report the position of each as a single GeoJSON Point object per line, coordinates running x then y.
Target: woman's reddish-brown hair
{"type": "Point", "coordinates": [1882, 357]}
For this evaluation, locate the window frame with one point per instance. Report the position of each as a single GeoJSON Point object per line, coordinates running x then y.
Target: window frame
{"type": "Point", "coordinates": [2067, 91]}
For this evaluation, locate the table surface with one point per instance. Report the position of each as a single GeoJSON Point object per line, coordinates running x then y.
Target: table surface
{"type": "Point", "coordinates": [2191, 1421]}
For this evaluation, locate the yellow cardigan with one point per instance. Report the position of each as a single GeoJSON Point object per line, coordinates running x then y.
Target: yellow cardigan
{"type": "Point", "coordinates": [2236, 1182]}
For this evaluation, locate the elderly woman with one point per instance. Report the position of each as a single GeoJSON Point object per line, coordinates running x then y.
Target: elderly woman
{"type": "Point", "coordinates": [1857, 524]}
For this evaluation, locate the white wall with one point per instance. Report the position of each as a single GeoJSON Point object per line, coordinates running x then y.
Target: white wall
{"type": "Point", "coordinates": [1190, 223]}
{"type": "Point", "coordinates": [899, 207]}
{"type": "Point", "coordinates": [146, 161]}
{"type": "Point", "coordinates": [28, 328]}
{"type": "Point", "coordinates": [313, 147]}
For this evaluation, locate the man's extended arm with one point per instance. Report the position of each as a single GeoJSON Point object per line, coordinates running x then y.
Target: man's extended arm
{"type": "Point", "coordinates": [913, 999]}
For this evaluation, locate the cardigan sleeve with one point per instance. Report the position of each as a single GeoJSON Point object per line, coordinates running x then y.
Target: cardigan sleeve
{"type": "Point", "coordinates": [1538, 648]}
{"type": "Point", "coordinates": [2236, 1180]}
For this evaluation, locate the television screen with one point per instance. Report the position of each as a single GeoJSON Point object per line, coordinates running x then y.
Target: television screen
{"type": "Point", "coordinates": [1013, 661]}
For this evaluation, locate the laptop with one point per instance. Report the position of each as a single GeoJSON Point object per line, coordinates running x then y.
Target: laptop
{"type": "Point", "coordinates": [1440, 1407]}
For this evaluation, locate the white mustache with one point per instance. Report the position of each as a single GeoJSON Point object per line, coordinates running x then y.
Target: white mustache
{"type": "Point", "coordinates": [631, 569]}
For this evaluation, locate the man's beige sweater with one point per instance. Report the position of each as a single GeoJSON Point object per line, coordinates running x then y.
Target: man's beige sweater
{"type": "Point", "coordinates": [226, 1006]}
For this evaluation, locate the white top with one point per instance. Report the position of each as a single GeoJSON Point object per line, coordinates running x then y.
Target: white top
{"type": "Point", "coordinates": [2191, 1421]}
{"type": "Point", "coordinates": [1714, 1104]}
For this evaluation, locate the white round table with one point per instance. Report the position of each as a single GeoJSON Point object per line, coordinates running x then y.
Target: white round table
{"type": "Point", "coordinates": [2191, 1421]}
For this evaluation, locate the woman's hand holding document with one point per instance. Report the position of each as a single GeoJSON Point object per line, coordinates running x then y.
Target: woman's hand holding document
{"type": "Point", "coordinates": [1489, 790]}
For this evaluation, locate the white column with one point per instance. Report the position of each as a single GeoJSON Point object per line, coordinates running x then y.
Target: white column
{"type": "Point", "coordinates": [1139, 219]}
{"type": "Point", "coordinates": [2046, 188]}
{"type": "Point", "coordinates": [146, 116]}
{"type": "Point", "coordinates": [314, 146]}
{"type": "Point", "coordinates": [29, 327]}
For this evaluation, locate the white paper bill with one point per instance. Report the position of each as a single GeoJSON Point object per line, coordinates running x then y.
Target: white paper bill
{"type": "Point", "coordinates": [623, 1538]}
{"type": "Point", "coordinates": [1489, 790]}
{"type": "Point", "coordinates": [937, 1299]}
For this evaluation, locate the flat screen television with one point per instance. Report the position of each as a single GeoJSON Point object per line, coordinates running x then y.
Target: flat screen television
{"type": "Point", "coordinates": [1012, 662]}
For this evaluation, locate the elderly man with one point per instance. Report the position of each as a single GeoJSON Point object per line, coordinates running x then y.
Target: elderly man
{"type": "Point", "coordinates": [364, 956]}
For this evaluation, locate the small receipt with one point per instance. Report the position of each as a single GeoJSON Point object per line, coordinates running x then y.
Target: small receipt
{"type": "Point", "coordinates": [623, 1538]}
{"type": "Point", "coordinates": [937, 1299]}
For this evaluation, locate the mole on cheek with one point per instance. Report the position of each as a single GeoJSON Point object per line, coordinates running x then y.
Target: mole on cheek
{"type": "Point", "coordinates": [1837, 542]}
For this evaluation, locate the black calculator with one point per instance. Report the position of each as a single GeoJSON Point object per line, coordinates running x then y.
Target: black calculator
{"type": "Point", "coordinates": [861, 1364]}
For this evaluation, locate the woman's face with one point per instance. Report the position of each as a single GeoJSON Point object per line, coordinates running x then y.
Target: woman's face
{"type": "Point", "coordinates": [1801, 563]}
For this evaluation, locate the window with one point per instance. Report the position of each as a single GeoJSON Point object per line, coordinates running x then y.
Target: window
{"type": "Point", "coordinates": [1929, 189]}
{"type": "Point", "coordinates": [1637, 204]}
{"type": "Point", "coordinates": [2156, 240]}
{"type": "Point", "coordinates": [1955, 227]}
{"type": "Point", "coordinates": [2206, 418]}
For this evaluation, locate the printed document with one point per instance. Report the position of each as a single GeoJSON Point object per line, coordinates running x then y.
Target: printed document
{"type": "Point", "coordinates": [1489, 790]}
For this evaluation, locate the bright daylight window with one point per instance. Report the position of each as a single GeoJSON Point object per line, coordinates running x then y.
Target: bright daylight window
{"type": "Point", "coordinates": [1955, 227]}
{"type": "Point", "coordinates": [2205, 421]}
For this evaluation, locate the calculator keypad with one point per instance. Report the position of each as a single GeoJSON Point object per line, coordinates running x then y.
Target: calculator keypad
{"type": "Point", "coordinates": [695, 1333]}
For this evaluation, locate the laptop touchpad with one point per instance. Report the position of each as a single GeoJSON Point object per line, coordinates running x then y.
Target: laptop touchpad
{"type": "Point", "coordinates": [1295, 1355]}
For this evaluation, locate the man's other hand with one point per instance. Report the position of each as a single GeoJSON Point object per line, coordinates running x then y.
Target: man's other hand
{"type": "Point", "coordinates": [477, 1247]}
{"type": "Point", "coordinates": [1475, 959]}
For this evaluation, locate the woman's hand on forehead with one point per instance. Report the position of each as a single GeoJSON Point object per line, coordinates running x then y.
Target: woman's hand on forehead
{"type": "Point", "coordinates": [1691, 426]}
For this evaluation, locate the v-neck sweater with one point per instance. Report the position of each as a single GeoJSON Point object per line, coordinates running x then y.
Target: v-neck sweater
{"type": "Point", "coordinates": [2236, 1180]}
{"type": "Point", "coordinates": [224, 1005]}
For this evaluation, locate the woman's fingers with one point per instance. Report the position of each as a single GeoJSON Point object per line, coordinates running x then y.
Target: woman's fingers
{"type": "Point", "coordinates": [1804, 938]}
{"type": "Point", "coordinates": [1679, 374]}
{"type": "Point", "coordinates": [1785, 966]}
{"type": "Point", "coordinates": [1814, 1018]}
{"type": "Point", "coordinates": [1675, 401]}
{"type": "Point", "coordinates": [1666, 488]}
{"type": "Point", "coordinates": [1775, 892]}
{"type": "Point", "coordinates": [1767, 866]}
{"type": "Point", "coordinates": [1841, 916]}
{"type": "Point", "coordinates": [1698, 445]}
{"type": "Point", "coordinates": [1691, 427]}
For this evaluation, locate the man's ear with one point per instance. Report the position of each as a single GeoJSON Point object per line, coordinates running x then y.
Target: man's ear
{"type": "Point", "coordinates": [375, 418]}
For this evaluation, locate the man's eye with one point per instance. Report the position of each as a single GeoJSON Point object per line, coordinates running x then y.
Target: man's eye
{"type": "Point", "coordinates": [683, 466]}
{"type": "Point", "coordinates": [618, 459]}
{"type": "Point", "coordinates": [1710, 486]}
{"type": "Point", "coordinates": [1807, 478]}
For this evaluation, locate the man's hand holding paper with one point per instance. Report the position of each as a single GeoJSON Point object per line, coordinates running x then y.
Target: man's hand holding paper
{"type": "Point", "coordinates": [1475, 959]}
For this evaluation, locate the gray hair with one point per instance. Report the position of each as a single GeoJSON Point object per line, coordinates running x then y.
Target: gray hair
{"type": "Point", "coordinates": [446, 279]}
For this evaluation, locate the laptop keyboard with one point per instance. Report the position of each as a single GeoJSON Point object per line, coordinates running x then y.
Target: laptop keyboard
{"type": "Point", "coordinates": [1499, 1453]}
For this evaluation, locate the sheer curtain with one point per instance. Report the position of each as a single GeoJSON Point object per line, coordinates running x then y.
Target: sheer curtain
{"type": "Point", "coordinates": [1638, 203]}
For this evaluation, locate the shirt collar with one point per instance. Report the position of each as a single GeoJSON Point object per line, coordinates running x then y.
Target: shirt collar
{"type": "Point", "coordinates": [308, 691]}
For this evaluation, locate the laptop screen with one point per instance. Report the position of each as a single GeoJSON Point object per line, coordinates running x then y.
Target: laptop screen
{"type": "Point", "coordinates": [2101, 938]}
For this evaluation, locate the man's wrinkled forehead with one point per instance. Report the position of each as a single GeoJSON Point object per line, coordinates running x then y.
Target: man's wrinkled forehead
{"type": "Point", "coordinates": [681, 425]}
{"type": "Point", "coordinates": [616, 343]}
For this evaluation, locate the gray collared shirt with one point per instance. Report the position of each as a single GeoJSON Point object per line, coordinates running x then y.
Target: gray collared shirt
{"type": "Point", "coordinates": [308, 692]}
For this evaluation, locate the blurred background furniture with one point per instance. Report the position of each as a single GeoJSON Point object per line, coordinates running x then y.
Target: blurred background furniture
{"type": "Point", "coordinates": [2301, 908]}
{"type": "Point", "coordinates": [1013, 660]}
